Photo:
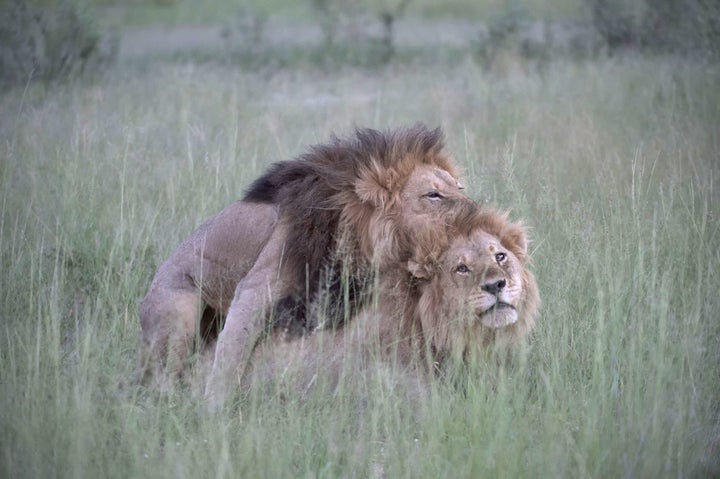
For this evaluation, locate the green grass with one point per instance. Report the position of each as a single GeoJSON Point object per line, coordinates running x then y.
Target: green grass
{"type": "Point", "coordinates": [614, 164]}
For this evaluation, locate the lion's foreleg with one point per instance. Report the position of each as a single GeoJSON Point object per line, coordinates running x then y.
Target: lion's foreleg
{"type": "Point", "coordinates": [245, 324]}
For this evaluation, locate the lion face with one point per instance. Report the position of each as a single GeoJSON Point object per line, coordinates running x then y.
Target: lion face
{"type": "Point", "coordinates": [481, 276]}
{"type": "Point", "coordinates": [479, 289]}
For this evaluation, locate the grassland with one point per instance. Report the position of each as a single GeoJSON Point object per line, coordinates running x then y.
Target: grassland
{"type": "Point", "coordinates": [613, 162]}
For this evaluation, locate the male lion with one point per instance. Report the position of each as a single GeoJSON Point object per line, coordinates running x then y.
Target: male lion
{"type": "Point", "coordinates": [326, 220]}
{"type": "Point", "coordinates": [455, 297]}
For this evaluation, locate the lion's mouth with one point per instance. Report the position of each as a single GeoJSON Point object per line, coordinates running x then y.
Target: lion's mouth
{"type": "Point", "coordinates": [498, 315]}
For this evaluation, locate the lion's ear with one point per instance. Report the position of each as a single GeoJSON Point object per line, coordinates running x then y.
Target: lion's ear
{"type": "Point", "coordinates": [521, 240]}
{"type": "Point", "coordinates": [517, 236]}
{"type": "Point", "coordinates": [370, 192]}
{"type": "Point", "coordinates": [418, 270]}
{"type": "Point", "coordinates": [375, 183]}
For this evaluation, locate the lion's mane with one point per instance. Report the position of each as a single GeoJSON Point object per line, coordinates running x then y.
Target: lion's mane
{"type": "Point", "coordinates": [338, 200]}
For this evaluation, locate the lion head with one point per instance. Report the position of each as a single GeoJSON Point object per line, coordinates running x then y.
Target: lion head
{"type": "Point", "coordinates": [405, 184]}
{"type": "Point", "coordinates": [478, 289]}
{"type": "Point", "coordinates": [371, 190]}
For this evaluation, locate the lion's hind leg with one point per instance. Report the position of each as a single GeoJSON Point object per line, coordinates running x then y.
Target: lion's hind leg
{"type": "Point", "coordinates": [169, 319]}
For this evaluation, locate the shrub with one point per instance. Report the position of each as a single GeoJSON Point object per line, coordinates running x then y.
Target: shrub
{"type": "Point", "coordinates": [334, 15]}
{"type": "Point", "coordinates": [660, 25]}
{"type": "Point", "coordinates": [45, 42]}
{"type": "Point", "coordinates": [245, 37]}
{"type": "Point", "coordinates": [515, 38]}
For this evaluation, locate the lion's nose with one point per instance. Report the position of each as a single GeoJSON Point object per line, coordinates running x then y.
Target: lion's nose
{"type": "Point", "coordinates": [495, 287]}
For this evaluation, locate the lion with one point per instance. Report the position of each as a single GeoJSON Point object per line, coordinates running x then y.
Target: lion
{"type": "Point", "coordinates": [456, 297]}
{"type": "Point", "coordinates": [326, 221]}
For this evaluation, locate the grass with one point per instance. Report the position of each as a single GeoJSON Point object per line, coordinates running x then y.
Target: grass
{"type": "Point", "coordinates": [613, 163]}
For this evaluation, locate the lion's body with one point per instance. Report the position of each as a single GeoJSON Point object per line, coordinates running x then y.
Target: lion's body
{"type": "Point", "coordinates": [320, 224]}
{"type": "Point", "coordinates": [194, 287]}
{"type": "Point", "coordinates": [426, 313]}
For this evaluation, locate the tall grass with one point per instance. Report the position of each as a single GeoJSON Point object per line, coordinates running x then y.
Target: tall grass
{"type": "Point", "coordinates": [613, 163]}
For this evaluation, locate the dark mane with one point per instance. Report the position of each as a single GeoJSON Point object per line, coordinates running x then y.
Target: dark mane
{"type": "Point", "coordinates": [337, 163]}
{"type": "Point", "coordinates": [313, 192]}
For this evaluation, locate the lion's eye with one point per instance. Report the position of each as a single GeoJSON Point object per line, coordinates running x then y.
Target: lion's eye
{"type": "Point", "coordinates": [462, 269]}
{"type": "Point", "coordinates": [434, 195]}
{"type": "Point", "coordinates": [500, 257]}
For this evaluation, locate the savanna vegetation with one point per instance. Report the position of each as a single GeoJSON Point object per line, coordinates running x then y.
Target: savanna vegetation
{"type": "Point", "coordinates": [606, 145]}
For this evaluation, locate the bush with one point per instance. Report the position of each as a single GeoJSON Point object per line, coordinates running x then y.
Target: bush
{"type": "Point", "coordinates": [46, 42]}
{"type": "Point", "coordinates": [514, 40]}
{"type": "Point", "coordinates": [661, 25]}
{"type": "Point", "coordinates": [334, 15]}
{"type": "Point", "coordinates": [245, 36]}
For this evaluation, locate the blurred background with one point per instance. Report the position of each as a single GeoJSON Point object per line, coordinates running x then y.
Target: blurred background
{"type": "Point", "coordinates": [50, 39]}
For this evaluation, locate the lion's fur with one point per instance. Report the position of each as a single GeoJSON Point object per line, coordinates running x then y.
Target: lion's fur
{"type": "Point", "coordinates": [413, 326]}
{"type": "Point", "coordinates": [322, 223]}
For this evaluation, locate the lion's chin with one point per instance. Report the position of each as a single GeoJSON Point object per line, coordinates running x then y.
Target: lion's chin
{"type": "Point", "coordinates": [499, 316]}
